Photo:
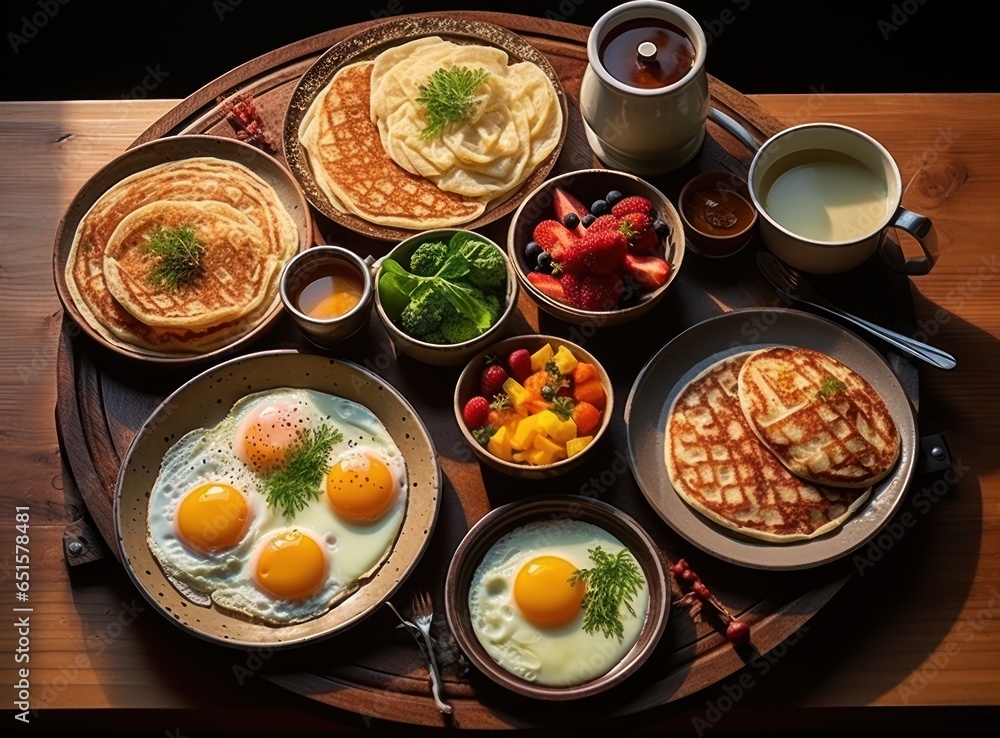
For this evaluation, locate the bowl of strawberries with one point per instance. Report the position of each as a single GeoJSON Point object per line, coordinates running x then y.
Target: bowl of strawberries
{"type": "Point", "coordinates": [532, 406]}
{"type": "Point", "coordinates": [596, 246]}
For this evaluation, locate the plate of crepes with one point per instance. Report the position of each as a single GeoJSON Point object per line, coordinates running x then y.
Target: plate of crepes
{"type": "Point", "coordinates": [275, 499]}
{"type": "Point", "coordinates": [771, 438]}
{"type": "Point", "coordinates": [424, 123]}
{"type": "Point", "coordinates": [172, 252]}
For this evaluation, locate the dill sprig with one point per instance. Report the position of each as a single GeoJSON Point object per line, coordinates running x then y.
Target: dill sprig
{"type": "Point", "coordinates": [563, 407]}
{"type": "Point", "coordinates": [831, 386]}
{"type": "Point", "coordinates": [612, 581]}
{"type": "Point", "coordinates": [447, 97]}
{"type": "Point", "coordinates": [295, 483]}
{"type": "Point", "coordinates": [179, 256]}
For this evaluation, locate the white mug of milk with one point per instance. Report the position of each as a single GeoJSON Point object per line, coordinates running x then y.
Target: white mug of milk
{"type": "Point", "coordinates": [826, 194]}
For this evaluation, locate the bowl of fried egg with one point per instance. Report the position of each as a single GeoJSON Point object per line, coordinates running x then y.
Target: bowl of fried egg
{"type": "Point", "coordinates": [276, 498]}
{"type": "Point", "coordinates": [557, 597]}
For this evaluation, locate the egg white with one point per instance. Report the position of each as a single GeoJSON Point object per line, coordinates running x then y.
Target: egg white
{"type": "Point", "coordinates": [560, 656]}
{"type": "Point", "coordinates": [353, 551]}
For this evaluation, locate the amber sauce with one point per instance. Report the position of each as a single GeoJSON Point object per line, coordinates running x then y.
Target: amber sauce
{"type": "Point", "coordinates": [698, 210]}
{"type": "Point", "coordinates": [674, 57]}
{"type": "Point", "coordinates": [334, 290]}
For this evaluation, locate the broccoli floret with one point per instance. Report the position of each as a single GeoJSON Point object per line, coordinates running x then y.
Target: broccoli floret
{"type": "Point", "coordinates": [428, 258]}
{"type": "Point", "coordinates": [435, 337]}
{"type": "Point", "coordinates": [457, 329]}
{"type": "Point", "coordinates": [492, 303]}
{"type": "Point", "coordinates": [487, 268]}
{"type": "Point", "coordinates": [425, 314]}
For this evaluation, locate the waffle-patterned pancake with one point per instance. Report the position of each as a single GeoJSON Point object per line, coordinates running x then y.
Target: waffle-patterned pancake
{"type": "Point", "coordinates": [819, 417]}
{"type": "Point", "coordinates": [356, 174]}
{"type": "Point", "coordinates": [719, 467]}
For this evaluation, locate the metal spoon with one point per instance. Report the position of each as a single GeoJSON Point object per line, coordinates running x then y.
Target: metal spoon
{"type": "Point", "coordinates": [793, 288]}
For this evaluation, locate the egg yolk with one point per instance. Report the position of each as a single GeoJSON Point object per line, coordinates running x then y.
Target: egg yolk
{"type": "Point", "coordinates": [543, 592]}
{"type": "Point", "coordinates": [267, 435]}
{"type": "Point", "coordinates": [291, 566]}
{"type": "Point", "coordinates": [361, 489]}
{"type": "Point", "coordinates": [212, 517]}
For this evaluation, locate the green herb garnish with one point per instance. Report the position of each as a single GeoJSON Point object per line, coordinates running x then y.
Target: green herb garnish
{"type": "Point", "coordinates": [448, 96]}
{"type": "Point", "coordinates": [179, 256]}
{"type": "Point", "coordinates": [613, 580]}
{"type": "Point", "coordinates": [295, 483]}
{"type": "Point", "coordinates": [501, 401]}
{"type": "Point", "coordinates": [563, 407]}
{"type": "Point", "coordinates": [831, 386]}
{"type": "Point", "coordinates": [484, 434]}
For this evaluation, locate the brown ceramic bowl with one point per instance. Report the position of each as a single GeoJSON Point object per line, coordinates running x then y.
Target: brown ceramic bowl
{"type": "Point", "coordinates": [731, 193]}
{"type": "Point", "coordinates": [588, 185]}
{"type": "Point", "coordinates": [468, 387]}
{"type": "Point", "coordinates": [493, 526]}
{"type": "Point", "coordinates": [440, 354]}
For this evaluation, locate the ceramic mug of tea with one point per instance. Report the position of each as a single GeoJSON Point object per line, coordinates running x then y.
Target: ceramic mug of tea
{"type": "Point", "coordinates": [826, 194]}
{"type": "Point", "coordinates": [644, 94]}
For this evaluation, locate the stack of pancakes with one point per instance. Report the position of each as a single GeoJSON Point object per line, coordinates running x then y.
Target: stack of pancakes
{"type": "Point", "coordinates": [245, 233]}
{"type": "Point", "coordinates": [781, 444]}
{"type": "Point", "coordinates": [363, 138]}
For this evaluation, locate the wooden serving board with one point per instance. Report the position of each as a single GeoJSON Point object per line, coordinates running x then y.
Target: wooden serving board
{"type": "Point", "coordinates": [376, 669]}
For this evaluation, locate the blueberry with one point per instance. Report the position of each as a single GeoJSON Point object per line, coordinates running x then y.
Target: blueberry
{"type": "Point", "coordinates": [661, 227]}
{"type": "Point", "coordinates": [600, 207]}
{"type": "Point", "coordinates": [588, 219]}
{"type": "Point", "coordinates": [571, 221]}
{"type": "Point", "coordinates": [545, 262]}
{"type": "Point", "coordinates": [531, 251]}
{"type": "Point", "coordinates": [614, 197]}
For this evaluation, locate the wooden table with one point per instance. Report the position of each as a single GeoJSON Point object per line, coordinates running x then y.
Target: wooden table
{"type": "Point", "coordinates": [919, 628]}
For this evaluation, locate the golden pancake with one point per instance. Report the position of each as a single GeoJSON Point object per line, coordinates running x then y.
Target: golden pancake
{"type": "Point", "coordinates": [356, 174]}
{"type": "Point", "coordinates": [819, 417]}
{"type": "Point", "coordinates": [719, 467]}
{"type": "Point", "coordinates": [235, 267]}
{"type": "Point", "coordinates": [194, 179]}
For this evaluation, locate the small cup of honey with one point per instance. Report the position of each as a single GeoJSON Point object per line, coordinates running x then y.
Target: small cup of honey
{"type": "Point", "coordinates": [328, 292]}
{"type": "Point", "coordinates": [718, 214]}
{"type": "Point", "coordinates": [644, 95]}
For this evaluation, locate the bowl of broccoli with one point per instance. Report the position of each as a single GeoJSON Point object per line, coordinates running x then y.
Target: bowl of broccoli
{"type": "Point", "coordinates": [444, 295]}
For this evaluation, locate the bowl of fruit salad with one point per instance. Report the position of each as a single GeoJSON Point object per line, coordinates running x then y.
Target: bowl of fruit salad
{"type": "Point", "coordinates": [532, 406]}
{"type": "Point", "coordinates": [596, 246]}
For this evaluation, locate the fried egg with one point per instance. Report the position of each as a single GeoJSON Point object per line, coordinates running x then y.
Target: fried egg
{"type": "Point", "coordinates": [528, 616]}
{"type": "Point", "coordinates": [212, 530]}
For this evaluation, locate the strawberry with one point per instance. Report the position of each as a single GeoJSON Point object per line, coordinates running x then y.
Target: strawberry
{"type": "Point", "coordinates": [492, 380]}
{"type": "Point", "coordinates": [593, 292]}
{"type": "Point", "coordinates": [554, 237]}
{"type": "Point", "coordinates": [605, 222]}
{"type": "Point", "coordinates": [638, 229]}
{"type": "Point", "coordinates": [649, 272]}
{"type": "Point", "coordinates": [564, 203]}
{"type": "Point", "coordinates": [631, 204]}
{"type": "Point", "coordinates": [519, 363]}
{"type": "Point", "coordinates": [599, 252]}
{"type": "Point", "coordinates": [476, 412]}
{"type": "Point", "coordinates": [548, 285]}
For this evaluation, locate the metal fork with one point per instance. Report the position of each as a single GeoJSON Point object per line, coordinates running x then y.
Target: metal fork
{"type": "Point", "coordinates": [423, 616]}
{"type": "Point", "coordinates": [793, 288]}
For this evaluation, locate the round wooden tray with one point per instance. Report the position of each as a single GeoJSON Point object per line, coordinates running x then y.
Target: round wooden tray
{"type": "Point", "coordinates": [377, 670]}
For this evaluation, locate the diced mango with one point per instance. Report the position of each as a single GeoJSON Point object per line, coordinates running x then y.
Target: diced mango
{"type": "Point", "coordinates": [526, 431]}
{"type": "Point", "coordinates": [576, 445]}
{"type": "Point", "coordinates": [565, 432]}
{"type": "Point", "coordinates": [517, 394]}
{"type": "Point", "coordinates": [565, 360]}
{"type": "Point", "coordinates": [548, 422]}
{"type": "Point", "coordinates": [520, 457]}
{"type": "Point", "coordinates": [499, 444]}
{"type": "Point", "coordinates": [541, 357]}
{"type": "Point", "coordinates": [546, 451]}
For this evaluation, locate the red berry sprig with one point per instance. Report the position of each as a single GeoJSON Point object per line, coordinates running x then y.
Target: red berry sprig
{"type": "Point", "coordinates": [737, 632]}
{"type": "Point", "coordinates": [242, 114]}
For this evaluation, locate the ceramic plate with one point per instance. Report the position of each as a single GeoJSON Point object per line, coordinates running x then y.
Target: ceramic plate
{"type": "Point", "coordinates": [146, 156]}
{"type": "Point", "coordinates": [367, 45]}
{"type": "Point", "coordinates": [693, 351]}
{"type": "Point", "coordinates": [502, 520]}
{"type": "Point", "coordinates": [203, 402]}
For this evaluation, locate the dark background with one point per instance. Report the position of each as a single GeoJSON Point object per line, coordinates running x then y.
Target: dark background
{"type": "Point", "coordinates": [75, 49]}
